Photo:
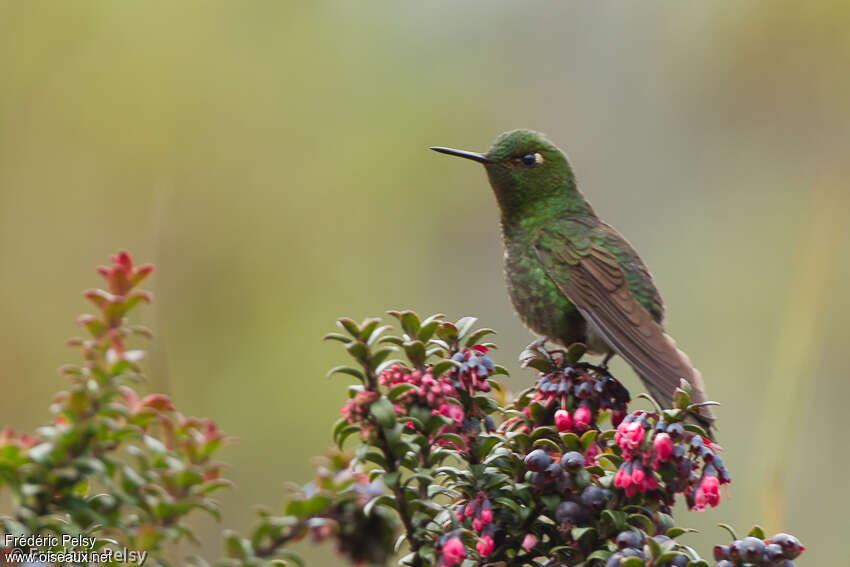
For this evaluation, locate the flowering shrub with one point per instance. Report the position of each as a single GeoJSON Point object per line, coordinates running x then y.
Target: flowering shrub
{"type": "Point", "coordinates": [561, 473]}
{"type": "Point", "coordinates": [435, 461]}
{"type": "Point", "coordinates": [115, 465]}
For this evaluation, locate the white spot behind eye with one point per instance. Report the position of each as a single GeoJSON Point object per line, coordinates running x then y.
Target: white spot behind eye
{"type": "Point", "coordinates": [538, 159]}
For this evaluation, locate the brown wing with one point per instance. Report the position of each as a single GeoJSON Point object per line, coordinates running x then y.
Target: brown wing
{"type": "Point", "coordinates": [594, 282]}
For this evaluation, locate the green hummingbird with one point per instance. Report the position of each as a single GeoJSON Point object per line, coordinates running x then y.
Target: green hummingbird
{"type": "Point", "coordinates": [572, 277]}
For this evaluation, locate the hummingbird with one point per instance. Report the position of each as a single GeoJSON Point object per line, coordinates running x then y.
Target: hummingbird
{"type": "Point", "coordinates": [574, 278]}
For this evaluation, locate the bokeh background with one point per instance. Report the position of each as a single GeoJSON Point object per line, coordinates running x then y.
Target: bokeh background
{"type": "Point", "coordinates": [271, 159]}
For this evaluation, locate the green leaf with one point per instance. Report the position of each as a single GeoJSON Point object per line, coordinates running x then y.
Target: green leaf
{"type": "Point", "coordinates": [378, 357]}
{"type": "Point", "coordinates": [444, 366]}
{"type": "Point", "coordinates": [641, 521]}
{"type": "Point", "coordinates": [631, 562]}
{"type": "Point", "coordinates": [681, 399]}
{"type": "Point", "coordinates": [664, 521]}
{"type": "Point", "coordinates": [694, 428]}
{"type": "Point", "coordinates": [547, 444]}
{"type": "Point", "coordinates": [538, 412]}
{"type": "Point", "coordinates": [588, 438]}
{"type": "Point", "coordinates": [574, 353]}
{"type": "Point", "coordinates": [571, 441]}
{"type": "Point", "coordinates": [478, 335]}
{"type": "Point", "coordinates": [399, 390]}
{"type": "Point", "coordinates": [367, 327]}
{"type": "Point", "coordinates": [428, 328]}
{"type": "Point", "coordinates": [337, 337]}
{"type": "Point", "coordinates": [454, 438]}
{"type": "Point", "coordinates": [464, 325]}
{"type": "Point", "coordinates": [616, 518]}
{"type": "Point", "coordinates": [671, 415]}
{"type": "Point", "coordinates": [358, 350]}
{"type": "Point", "coordinates": [676, 531]}
{"type": "Point", "coordinates": [415, 351]}
{"type": "Point", "coordinates": [666, 557]}
{"type": "Point", "coordinates": [579, 533]}
{"type": "Point", "coordinates": [290, 556]}
{"type": "Point", "coordinates": [447, 332]}
{"type": "Point", "coordinates": [508, 503]}
{"type": "Point", "coordinates": [651, 545]}
{"type": "Point", "coordinates": [756, 532]}
{"type": "Point", "coordinates": [540, 364]}
{"type": "Point", "coordinates": [615, 460]}
{"type": "Point", "coordinates": [600, 555]}
{"type": "Point", "coordinates": [346, 370]}
{"type": "Point", "coordinates": [497, 369]}
{"type": "Point", "coordinates": [391, 478]}
{"type": "Point", "coordinates": [376, 334]}
{"type": "Point", "coordinates": [349, 325]}
{"type": "Point", "coordinates": [382, 410]}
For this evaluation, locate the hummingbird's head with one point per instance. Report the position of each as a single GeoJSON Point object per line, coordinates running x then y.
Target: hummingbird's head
{"type": "Point", "coordinates": [524, 169]}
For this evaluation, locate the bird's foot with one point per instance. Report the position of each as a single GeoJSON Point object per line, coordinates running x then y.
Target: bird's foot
{"type": "Point", "coordinates": [604, 364]}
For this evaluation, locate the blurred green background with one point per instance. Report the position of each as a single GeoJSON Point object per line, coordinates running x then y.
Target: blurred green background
{"type": "Point", "coordinates": [271, 159]}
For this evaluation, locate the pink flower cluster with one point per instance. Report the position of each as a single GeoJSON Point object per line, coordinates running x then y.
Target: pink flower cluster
{"type": "Point", "coordinates": [429, 391]}
{"type": "Point", "coordinates": [356, 409]}
{"type": "Point", "coordinates": [633, 477]}
{"type": "Point", "coordinates": [24, 441]}
{"type": "Point", "coordinates": [480, 512]}
{"type": "Point", "coordinates": [579, 421]}
{"type": "Point", "coordinates": [653, 450]}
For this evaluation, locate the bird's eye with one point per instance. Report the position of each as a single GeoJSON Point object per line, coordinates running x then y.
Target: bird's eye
{"type": "Point", "coordinates": [530, 160]}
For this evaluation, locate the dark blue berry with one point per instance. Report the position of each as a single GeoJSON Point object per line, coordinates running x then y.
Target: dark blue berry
{"type": "Point", "coordinates": [537, 460]}
{"type": "Point", "coordinates": [721, 552]}
{"type": "Point", "coordinates": [593, 496]}
{"type": "Point", "coordinates": [790, 545]}
{"type": "Point", "coordinates": [573, 461]}
{"type": "Point", "coordinates": [570, 513]}
{"type": "Point", "coordinates": [751, 549]}
{"type": "Point", "coordinates": [675, 430]}
{"type": "Point", "coordinates": [629, 538]}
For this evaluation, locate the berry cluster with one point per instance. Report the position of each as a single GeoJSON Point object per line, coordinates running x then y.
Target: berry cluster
{"type": "Point", "coordinates": [583, 389]}
{"type": "Point", "coordinates": [475, 368]}
{"type": "Point", "coordinates": [685, 461]}
{"type": "Point", "coordinates": [630, 544]}
{"type": "Point", "coordinates": [777, 551]}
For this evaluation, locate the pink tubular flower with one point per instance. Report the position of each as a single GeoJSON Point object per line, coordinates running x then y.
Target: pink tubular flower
{"type": "Point", "coordinates": [629, 436]}
{"type": "Point", "coordinates": [485, 546]}
{"type": "Point", "coordinates": [486, 516]}
{"type": "Point", "coordinates": [452, 411]}
{"type": "Point", "coordinates": [581, 418]}
{"type": "Point", "coordinates": [477, 525]}
{"type": "Point", "coordinates": [623, 476]}
{"type": "Point", "coordinates": [590, 454]}
{"type": "Point", "coordinates": [453, 551]}
{"type": "Point", "coordinates": [662, 446]}
{"type": "Point", "coordinates": [529, 541]}
{"type": "Point", "coordinates": [563, 421]}
{"type": "Point", "coordinates": [638, 476]}
{"type": "Point", "coordinates": [710, 488]}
